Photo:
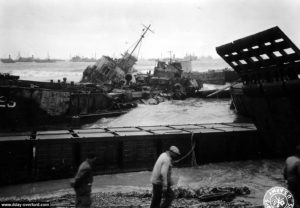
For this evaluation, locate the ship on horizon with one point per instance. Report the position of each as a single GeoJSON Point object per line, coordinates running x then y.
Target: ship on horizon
{"type": "Point", "coordinates": [8, 60]}
{"type": "Point", "coordinates": [46, 60]}
{"type": "Point", "coordinates": [82, 59]}
{"type": "Point", "coordinates": [28, 59]}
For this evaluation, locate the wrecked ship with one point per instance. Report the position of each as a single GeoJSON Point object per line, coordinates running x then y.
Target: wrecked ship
{"type": "Point", "coordinates": [116, 76]}
{"type": "Point", "coordinates": [173, 77]}
{"type": "Point", "coordinates": [110, 72]}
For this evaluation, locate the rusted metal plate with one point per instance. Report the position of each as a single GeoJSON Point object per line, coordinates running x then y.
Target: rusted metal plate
{"type": "Point", "coordinates": [95, 135]}
{"type": "Point", "coordinates": [133, 133]}
{"type": "Point", "coordinates": [263, 56]}
{"type": "Point", "coordinates": [55, 103]}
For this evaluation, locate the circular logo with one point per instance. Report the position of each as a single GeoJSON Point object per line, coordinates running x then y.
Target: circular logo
{"type": "Point", "coordinates": [278, 197]}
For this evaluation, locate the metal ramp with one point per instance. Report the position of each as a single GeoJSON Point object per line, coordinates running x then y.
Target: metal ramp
{"type": "Point", "coordinates": [266, 56]}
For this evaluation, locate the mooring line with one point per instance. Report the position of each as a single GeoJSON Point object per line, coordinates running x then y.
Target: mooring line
{"type": "Point", "coordinates": [193, 144]}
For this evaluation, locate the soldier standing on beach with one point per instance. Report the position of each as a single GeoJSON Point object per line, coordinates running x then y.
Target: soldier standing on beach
{"type": "Point", "coordinates": [82, 182]}
{"type": "Point", "coordinates": [292, 175]}
{"type": "Point", "coordinates": [161, 178]}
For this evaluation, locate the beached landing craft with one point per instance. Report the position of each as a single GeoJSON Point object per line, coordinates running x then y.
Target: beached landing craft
{"type": "Point", "coordinates": [269, 66]}
{"type": "Point", "coordinates": [170, 77]}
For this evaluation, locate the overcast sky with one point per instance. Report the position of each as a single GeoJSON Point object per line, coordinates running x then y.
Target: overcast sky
{"type": "Point", "coordinates": [65, 28]}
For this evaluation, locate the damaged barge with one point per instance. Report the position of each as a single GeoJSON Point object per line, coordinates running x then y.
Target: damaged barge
{"type": "Point", "coordinates": [31, 104]}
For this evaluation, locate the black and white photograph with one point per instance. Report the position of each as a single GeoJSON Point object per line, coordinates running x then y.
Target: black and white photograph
{"type": "Point", "coordinates": [149, 103]}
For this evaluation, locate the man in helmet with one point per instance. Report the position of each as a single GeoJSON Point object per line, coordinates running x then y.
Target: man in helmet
{"type": "Point", "coordinates": [161, 178]}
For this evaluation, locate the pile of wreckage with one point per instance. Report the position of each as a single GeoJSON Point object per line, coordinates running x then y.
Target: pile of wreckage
{"type": "Point", "coordinates": [117, 78]}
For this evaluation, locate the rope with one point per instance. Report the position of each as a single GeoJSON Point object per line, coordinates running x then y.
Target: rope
{"type": "Point", "coordinates": [192, 151]}
{"type": "Point", "coordinates": [194, 161]}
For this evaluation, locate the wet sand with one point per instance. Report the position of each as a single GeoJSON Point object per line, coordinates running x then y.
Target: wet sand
{"type": "Point", "coordinates": [138, 200]}
{"type": "Point", "coordinates": [128, 189]}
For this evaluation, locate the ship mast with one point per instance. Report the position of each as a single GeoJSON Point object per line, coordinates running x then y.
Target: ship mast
{"type": "Point", "coordinates": [142, 36]}
{"type": "Point", "coordinates": [123, 62]}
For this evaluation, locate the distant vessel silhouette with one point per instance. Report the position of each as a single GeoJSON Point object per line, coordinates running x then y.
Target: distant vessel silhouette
{"type": "Point", "coordinates": [46, 60]}
{"type": "Point", "coordinates": [28, 59]}
{"type": "Point", "coordinates": [8, 60]}
{"type": "Point", "coordinates": [82, 59]}
{"type": "Point", "coordinates": [25, 59]}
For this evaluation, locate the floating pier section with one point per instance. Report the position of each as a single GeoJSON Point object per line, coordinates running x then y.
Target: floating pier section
{"type": "Point", "coordinates": [45, 155]}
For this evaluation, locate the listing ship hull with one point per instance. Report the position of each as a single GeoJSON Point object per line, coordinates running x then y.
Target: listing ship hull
{"type": "Point", "coordinates": [268, 65]}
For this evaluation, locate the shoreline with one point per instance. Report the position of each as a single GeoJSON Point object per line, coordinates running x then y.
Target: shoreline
{"type": "Point", "coordinates": [258, 176]}
{"type": "Point", "coordinates": [131, 199]}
